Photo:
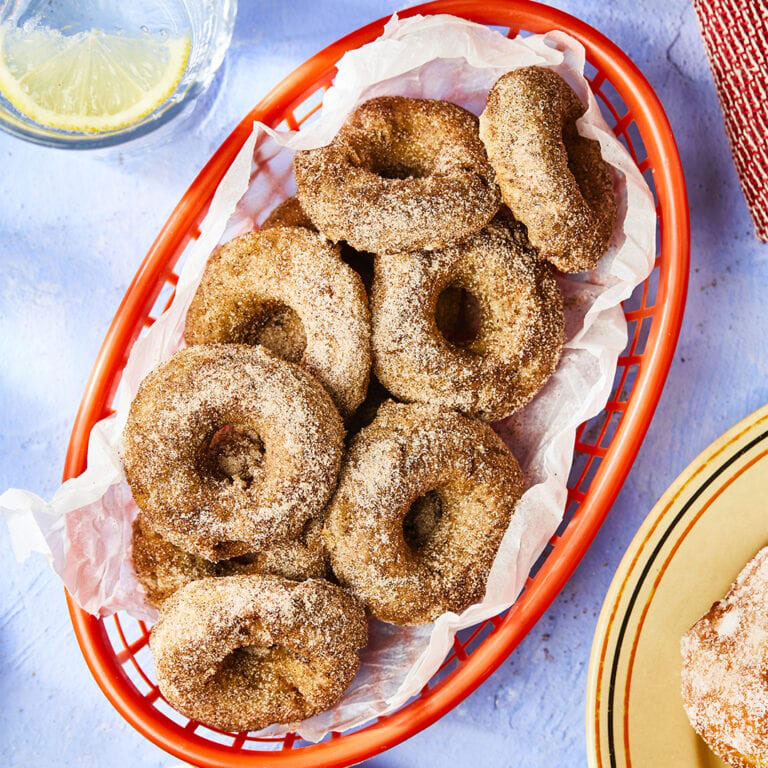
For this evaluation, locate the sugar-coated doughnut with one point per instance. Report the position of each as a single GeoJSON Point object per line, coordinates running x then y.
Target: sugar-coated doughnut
{"type": "Point", "coordinates": [401, 174]}
{"type": "Point", "coordinates": [518, 338]}
{"type": "Point", "coordinates": [228, 449]}
{"type": "Point", "coordinates": [424, 499]}
{"type": "Point", "coordinates": [162, 567]}
{"type": "Point", "coordinates": [725, 658]}
{"type": "Point", "coordinates": [298, 559]}
{"type": "Point", "coordinates": [296, 275]}
{"type": "Point", "coordinates": [290, 214]}
{"type": "Point", "coordinates": [240, 653]}
{"type": "Point", "coordinates": [554, 180]}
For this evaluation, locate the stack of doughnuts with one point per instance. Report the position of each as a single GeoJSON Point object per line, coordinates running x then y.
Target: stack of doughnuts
{"type": "Point", "coordinates": [320, 453]}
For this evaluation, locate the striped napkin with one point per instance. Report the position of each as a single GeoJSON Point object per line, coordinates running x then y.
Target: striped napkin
{"type": "Point", "coordinates": [735, 36]}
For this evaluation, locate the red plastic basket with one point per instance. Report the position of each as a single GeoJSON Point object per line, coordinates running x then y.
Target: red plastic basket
{"type": "Point", "coordinates": [116, 648]}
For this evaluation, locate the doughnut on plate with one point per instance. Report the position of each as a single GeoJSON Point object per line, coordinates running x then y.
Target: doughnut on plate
{"type": "Point", "coordinates": [697, 539]}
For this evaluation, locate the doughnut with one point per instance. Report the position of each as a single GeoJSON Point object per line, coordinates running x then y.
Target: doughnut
{"type": "Point", "coordinates": [290, 214]}
{"type": "Point", "coordinates": [519, 325]}
{"type": "Point", "coordinates": [725, 657]}
{"type": "Point", "coordinates": [401, 175]}
{"type": "Point", "coordinates": [295, 274]}
{"type": "Point", "coordinates": [240, 653]}
{"type": "Point", "coordinates": [162, 567]}
{"type": "Point", "coordinates": [554, 180]}
{"type": "Point", "coordinates": [424, 499]}
{"type": "Point", "coordinates": [228, 449]}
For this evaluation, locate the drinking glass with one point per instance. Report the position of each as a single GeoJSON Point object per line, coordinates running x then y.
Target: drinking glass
{"type": "Point", "coordinates": [206, 24]}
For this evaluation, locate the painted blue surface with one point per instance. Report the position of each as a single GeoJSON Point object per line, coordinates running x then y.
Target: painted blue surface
{"type": "Point", "coordinates": [73, 229]}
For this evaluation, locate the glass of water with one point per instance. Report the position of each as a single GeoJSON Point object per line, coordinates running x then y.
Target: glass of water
{"type": "Point", "coordinates": [93, 73]}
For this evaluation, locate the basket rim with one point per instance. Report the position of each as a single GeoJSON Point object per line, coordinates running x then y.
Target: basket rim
{"type": "Point", "coordinates": [569, 548]}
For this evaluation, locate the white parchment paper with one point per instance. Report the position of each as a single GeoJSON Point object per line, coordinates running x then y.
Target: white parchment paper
{"type": "Point", "coordinates": [85, 529]}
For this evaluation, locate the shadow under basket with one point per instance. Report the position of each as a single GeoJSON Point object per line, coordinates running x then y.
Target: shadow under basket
{"type": "Point", "coordinates": [116, 648]}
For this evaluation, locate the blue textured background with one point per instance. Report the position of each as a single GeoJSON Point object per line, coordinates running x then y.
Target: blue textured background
{"type": "Point", "coordinates": [73, 229]}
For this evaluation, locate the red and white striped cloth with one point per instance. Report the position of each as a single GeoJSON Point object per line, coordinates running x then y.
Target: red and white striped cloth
{"type": "Point", "coordinates": [735, 35]}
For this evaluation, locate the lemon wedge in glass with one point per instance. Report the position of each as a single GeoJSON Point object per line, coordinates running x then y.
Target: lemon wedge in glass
{"type": "Point", "coordinates": [89, 82]}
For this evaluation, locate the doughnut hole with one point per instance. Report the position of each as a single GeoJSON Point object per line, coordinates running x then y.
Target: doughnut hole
{"type": "Point", "coordinates": [245, 667]}
{"type": "Point", "coordinates": [277, 327]}
{"type": "Point", "coordinates": [458, 315]}
{"type": "Point", "coordinates": [235, 455]}
{"type": "Point", "coordinates": [405, 148]}
{"type": "Point", "coordinates": [422, 520]}
{"type": "Point", "coordinates": [401, 158]}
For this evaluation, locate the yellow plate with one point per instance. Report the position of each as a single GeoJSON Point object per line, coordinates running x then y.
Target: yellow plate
{"type": "Point", "coordinates": [711, 521]}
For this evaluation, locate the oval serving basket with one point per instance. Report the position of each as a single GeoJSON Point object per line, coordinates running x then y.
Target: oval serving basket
{"type": "Point", "coordinates": [116, 649]}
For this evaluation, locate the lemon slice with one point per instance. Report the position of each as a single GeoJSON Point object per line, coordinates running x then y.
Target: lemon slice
{"type": "Point", "coordinates": [90, 82]}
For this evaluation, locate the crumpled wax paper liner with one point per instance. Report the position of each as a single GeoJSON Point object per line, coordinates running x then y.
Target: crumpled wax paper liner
{"type": "Point", "coordinates": [86, 528]}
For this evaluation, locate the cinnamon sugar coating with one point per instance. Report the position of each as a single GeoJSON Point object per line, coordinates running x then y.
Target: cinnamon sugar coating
{"type": "Point", "coordinates": [228, 449]}
{"type": "Point", "coordinates": [401, 174]}
{"type": "Point", "coordinates": [554, 180]}
{"type": "Point", "coordinates": [302, 558]}
{"type": "Point", "coordinates": [520, 329]}
{"type": "Point", "coordinates": [290, 214]}
{"type": "Point", "coordinates": [424, 499]}
{"type": "Point", "coordinates": [240, 653]}
{"type": "Point", "coordinates": [162, 567]}
{"type": "Point", "coordinates": [725, 658]}
{"type": "Point", "coordinates": [287, 289]}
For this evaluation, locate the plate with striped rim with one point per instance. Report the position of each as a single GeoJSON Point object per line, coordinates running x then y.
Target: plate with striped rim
{"type": "Point", "coordinates": [708, 524]}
